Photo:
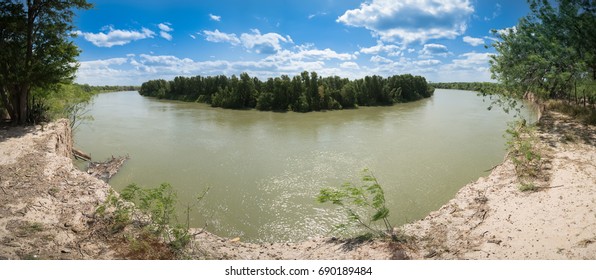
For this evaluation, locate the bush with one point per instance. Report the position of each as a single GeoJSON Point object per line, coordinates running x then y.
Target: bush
{"type": "Point", "coordinates": [364, 205]}
{"type": "Point", "coordinates": [155, 213]}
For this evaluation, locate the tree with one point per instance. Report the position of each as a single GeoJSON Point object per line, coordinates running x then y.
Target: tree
{"type": "Point", "coordinates": [550, 51]}
{"type": "Point", "coordinates": [36, 49]}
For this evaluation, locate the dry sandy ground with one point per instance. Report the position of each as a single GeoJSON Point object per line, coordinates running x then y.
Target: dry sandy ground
{"type": "Point", "coordinates": [47, 209]}
{"type": "Point", "coordinates": [46, 204]}
{"type": "Point", "coordinates": [492, 219]}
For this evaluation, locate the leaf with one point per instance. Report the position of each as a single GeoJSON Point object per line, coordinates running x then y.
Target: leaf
{"type": "Point", "coordinates": [381, 214]}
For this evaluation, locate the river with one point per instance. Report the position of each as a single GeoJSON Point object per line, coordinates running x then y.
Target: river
{"type": "Point", "coordinates": [264, 169]}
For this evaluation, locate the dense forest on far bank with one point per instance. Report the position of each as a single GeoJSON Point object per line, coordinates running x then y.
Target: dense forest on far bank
{"type": "Point", "coordinates": [302, 93]}
{"type": "Point", "coordinates": [483, 87]}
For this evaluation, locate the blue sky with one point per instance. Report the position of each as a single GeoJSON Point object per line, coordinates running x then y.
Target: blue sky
{"type": "Point", "coordinates": [130, 42]}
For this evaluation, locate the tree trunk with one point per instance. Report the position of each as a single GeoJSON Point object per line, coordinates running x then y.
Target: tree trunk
{"type": "Point", "coordinates": [8, 102]}
{"type": "Point", "coordinates": [23, 105]}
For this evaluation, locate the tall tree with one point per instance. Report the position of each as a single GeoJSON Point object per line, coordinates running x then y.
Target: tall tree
{"type": "Point", "coordinates": [36, 49]}
{"type": "Point", "coordinates": [550, 50]}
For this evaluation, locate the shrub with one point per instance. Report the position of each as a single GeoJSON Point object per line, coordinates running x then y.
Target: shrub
{"type": "Point", "coordinates": [364, 204]}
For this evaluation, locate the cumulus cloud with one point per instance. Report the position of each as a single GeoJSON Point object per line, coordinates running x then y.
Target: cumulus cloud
{"type": "Point", "coordinates": [411, 20]}
{"type": "Point", "coordinates": [309, 53]}
{"type": "Point", "coordinates": [263, 43]}
{"type": "Point", "coordinates": [136, 69]}
{"type": "Point", "coordinates": [165, 28]}
{"type": "Point", "coordinates": [115, 37]}
{"type": "Point", "coordinates": [430, 50]}
{"type": "Point", "coordinates": [473, 41]}
{"type": "Point", "coordinates": [214, 17]}
{"type": "Point", "coordinates": [381, 60]}
{"type": "Point", "coordinates": [428, 62]}
{"type": "Point", "coordinates": [391, 50]}
{"type": "Point", "coordinates": [472, 60]}
{"type": "Point", "coordinates": [268, 43]}
{"type": "Point", "coordinates": [220, 37]}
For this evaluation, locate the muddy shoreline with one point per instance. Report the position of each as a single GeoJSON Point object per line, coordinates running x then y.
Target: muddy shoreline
{"type": "Point", "coordinates": [47, 209]}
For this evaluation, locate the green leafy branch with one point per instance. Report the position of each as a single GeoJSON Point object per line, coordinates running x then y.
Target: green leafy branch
{"type": "Point", "coordinates": [364, 204]}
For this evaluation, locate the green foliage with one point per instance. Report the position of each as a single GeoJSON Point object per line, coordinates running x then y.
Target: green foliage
{"type": "Point", "coordinates": [265, 101]}
{"type": "Point", "coordinates": [527, 187]}
{"type": "Point", "coordinates": [482, 87]}
{"type": "Point", "coordinates": [303, 93]}
{"type": "Point", "coordinates": [551, 52]}
{"type": "Point", "coordinates": [67, 101]}
{"type": "Point", "coordinates": [523, 153]}
{"type": "Point", "coordinates": [364, 204]}
{"type": "Point", "coordinates": [157, 208]}
{"type": "Point", "coordinates": [158, 203]}
{"type": "Point", "coordinates": [116, 211]}
{"type": "Point", "coordinates": [37, 52]}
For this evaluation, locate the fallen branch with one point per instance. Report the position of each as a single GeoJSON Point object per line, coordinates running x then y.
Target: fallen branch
{"type": "Point", "coordinates": [107, 169]}
{"type": "Point", "coordinates": [80, 155]}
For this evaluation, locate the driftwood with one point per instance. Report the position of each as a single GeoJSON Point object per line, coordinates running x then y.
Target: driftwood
{"type": "Point", "coordinates": [80, 154]}
{"type": "Point", "coordinates": [107, 169]}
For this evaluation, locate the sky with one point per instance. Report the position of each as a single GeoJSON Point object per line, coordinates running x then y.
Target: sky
{"type": "Point", "coordinates": [128, 42]}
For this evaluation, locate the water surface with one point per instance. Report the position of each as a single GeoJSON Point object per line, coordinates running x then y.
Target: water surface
{"type": "Point", "coordinates": [264, 169]}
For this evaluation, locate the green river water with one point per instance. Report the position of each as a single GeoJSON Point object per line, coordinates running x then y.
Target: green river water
{"type": "Point", "coordinates": [264, 169]}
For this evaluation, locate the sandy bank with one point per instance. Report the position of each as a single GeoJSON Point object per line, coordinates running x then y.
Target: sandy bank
{"type": "Point", "coordinates": [492, 219]}
{"type": "Point", "coordinates": [47, 209]}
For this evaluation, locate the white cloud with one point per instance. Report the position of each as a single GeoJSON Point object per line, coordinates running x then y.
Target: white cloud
{"type": "Point", "coordinates": [192, 36]}
{"type": "Point", "coordinates": [380, 60]}
{"type": "Point", "coordinates": [472, 59]}
{"type": "Point", "coordinates": [136, 69]}
{"type": "Point", "coordinates": [391, 50]}
{"type": "Point", "coordinates": [431, 50]}
{"type": "Point", "coordinates": [411, 20]}
{"type": "Point", "coordinates": [468, 67]}
{"type": "Point", "coordinates": [311, 16]}
{"type": "Point", "coordinates": [495, 14]}
{"type": "Point", "coordinates": [309, 53]}
{"type": "Point", "coordinates": [506, 31]}
{"type": "Point", "coordinates": [214, 17]}
{"type": "Point", "coordinates": [165, 35]}
{"type": "Point", "coordinates": [428, 62]}
{"type": "Point", "coordinates": [264, 43]}
{"type": "Point", "coordinates": [268, 43]}
{"type": "Point", "coordinates": [349, 65]}
{"type": "Point", "coordinates": [165, 28]}
{"type": "Point", "coordinates": [220, 37]}
{"type": "Point", "coordinates": [473, 41]}
{"type": "Point", "coordinates": [115, 37]}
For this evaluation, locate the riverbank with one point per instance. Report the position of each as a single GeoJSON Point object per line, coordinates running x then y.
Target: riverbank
{"type": "Point", "coordinates": [47, 209]}
{"type": "Point", "coordinates": [492, 219]}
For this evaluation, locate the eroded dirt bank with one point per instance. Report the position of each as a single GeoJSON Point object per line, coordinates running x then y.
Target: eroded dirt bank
{"type": "Point", "coordinates": [46, 204]}
{"type": "Point", "coordinates": [47, 209]}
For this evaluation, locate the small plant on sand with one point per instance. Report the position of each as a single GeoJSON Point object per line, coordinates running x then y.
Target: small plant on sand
{"type": "Point", "coordinates": [527, 187]}
{"type": "Point", "coordinates": [159, 205]}
{"type": "Point", "coordinates": [522, 150]}
{"type": "Point", "coordinates": [116, 211]}
{"type": "Point", "coordinates": [153, 210]}
{"type": "Point", "coordinates": [364, 205]}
